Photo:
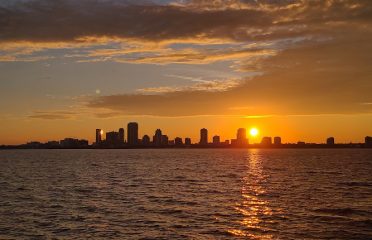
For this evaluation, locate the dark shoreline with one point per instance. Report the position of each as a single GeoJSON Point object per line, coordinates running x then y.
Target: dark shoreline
{"type": "Point", "coordinates": [196, 146]}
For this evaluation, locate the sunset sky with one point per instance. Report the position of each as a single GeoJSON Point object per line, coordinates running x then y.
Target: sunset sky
{"type": "Point", "coordinates": [298, 69]}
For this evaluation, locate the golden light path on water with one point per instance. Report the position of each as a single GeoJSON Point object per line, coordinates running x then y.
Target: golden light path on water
{"type": "Point", "coordinates": [253, 206]}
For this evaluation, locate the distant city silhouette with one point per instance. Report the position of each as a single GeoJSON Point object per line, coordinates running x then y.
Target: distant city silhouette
{"type": "Point", "coordinates": [116, 139]}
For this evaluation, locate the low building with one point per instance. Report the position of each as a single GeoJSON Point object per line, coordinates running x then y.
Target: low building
{"type": "Point", "coordinates": [216, 140]}
{"type": "Point", "coordinates": [74, 143]}
{"type": "Point", "coordinates": [178, 141]}
{"type": "Point", "coordinates": [368, 141]}
{"type": "Point", "coordinates": [331, 141]}
{"type": "Point", "coordinates": [52, 144]}
{"type": "Point", "coordinates": [145, 140]}
{"type": "Point", "coordinates": [266, 141]}
{"type": "Point", "coordinates": [164, 140]}
{"type": "Point", "coordinates": [112, 138]}
{"type": "Point", "coordinates": [187, 141]}
{"type": "Point", "coordinates": [33, 145]}
{"type": "Point", "coordinates": [277, 140]}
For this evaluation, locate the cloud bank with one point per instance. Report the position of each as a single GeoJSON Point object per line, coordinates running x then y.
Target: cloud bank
{"type": "Point", "coordinates": [313, 55]}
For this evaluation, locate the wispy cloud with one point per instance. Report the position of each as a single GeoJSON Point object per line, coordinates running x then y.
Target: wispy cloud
{"type": "Point", "coordinates": [201, 85]}
{"type": "Point", "coordinates": [53, 115]}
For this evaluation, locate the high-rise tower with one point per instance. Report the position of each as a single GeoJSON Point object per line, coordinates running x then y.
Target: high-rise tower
{"type": "Point", "coordinates": [98, 136]}
{"type": "Point", "coordinates": [132, 131]}
{"type": "Point", "coordinates": [157, 137]}
{"type": "Point", "coordinates": [121, 135]}
{"type": "Point", "coordinates": [241, 137]}
{"type": "Point", "coordinates": [203, 136]}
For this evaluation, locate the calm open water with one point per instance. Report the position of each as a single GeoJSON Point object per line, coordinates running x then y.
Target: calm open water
{"type": "Point", "coordinates": [186, 194]}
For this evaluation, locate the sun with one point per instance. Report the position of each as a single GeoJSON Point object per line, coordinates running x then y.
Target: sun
{"type": "Point", "coordinates": [253, 132]}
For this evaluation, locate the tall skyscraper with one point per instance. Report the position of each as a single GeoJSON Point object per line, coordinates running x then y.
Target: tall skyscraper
{"type": "Point", "coordinates": [203, 136]}
{"type": "Point", "coordinates": [157, 137]}
{"type": "Point", "coordinates": [241, 134]}
{"type": "Point", "coordinates": [98, 136]}
{"type": "Point", "coordinates": [132, 132]}
{"type": "Point", "coordinates": [241, 137]}
{"type": "Point", "coordinates": [121, 135]}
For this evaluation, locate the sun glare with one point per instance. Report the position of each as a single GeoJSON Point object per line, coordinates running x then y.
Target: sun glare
{"type": "Point", "coordinates": [253, 132]}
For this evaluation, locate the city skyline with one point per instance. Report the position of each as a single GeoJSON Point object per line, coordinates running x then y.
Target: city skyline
{"type": "Point", "coordinates": [299, 69]}
{"type": "Point", "coordinates": [117, 139]}
{"type": "Point", "coordinates": [226, 129]}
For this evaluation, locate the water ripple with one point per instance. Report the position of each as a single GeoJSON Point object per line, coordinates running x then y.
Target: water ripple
{"type": "Point", "coordinates": [186, 194]}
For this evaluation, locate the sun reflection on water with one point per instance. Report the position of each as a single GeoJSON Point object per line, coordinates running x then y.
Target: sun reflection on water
{"type": "Point", "coordinates": [253, 207]}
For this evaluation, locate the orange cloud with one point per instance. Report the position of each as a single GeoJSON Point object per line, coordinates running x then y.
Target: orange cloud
{"type": "Point", "coordinates": [330, 77]}
{"type": "Point", "coordinates": [313, 53]}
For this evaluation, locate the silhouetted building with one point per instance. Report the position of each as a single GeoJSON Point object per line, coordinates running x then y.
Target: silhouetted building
{"type": "Point", "coordinates": [157, 138]}
{"type": "Point", "coordinates": [187, 141]}
{"type": "Point", "coordinates": [98, 136]}
{"type": "Point", "coordinates": [178, 141]}
{"type": "Point", "coordinates": [52, 144]}
{"type": "Point", "coordinates": [132, 132]}
{"type": "Point", "coordinates": [69, 143]}
{"type": "Point", "coordinates": [368, 141]}
{"type": "Point", "coordinates": [34, 144]}
{"type": "Point", "coordinates": [331, 141]}
{"type": "Point", "coordinates": [164, 140]}
{"type": "Point", "coordinates": [241, 134]}
{"type": "Point", "coordinates": [73, 143]}
{"type": "Point", "coordinates": [83, 143]}
{"type": "Point", "coordinates": [121, 135]}
{"type": "Point", "coordinates": [227, 142]}
{"type": "Point", "coordinates": [241, 137]}
{"type": "Point", "coordinates": [171, 142]}
{"type": "Point", "coordinates": [277, 140]}
{"type": "Point", "coordinates": [266, 141]}
{"type": "Point", "coordinates": [146, 140]}
{"type": "Point", "coordinates": [112, 138]}
{"type": "Point", "coordinates": [203, 136]}
{"type": "Point", "coordinates": [216, 140]}
{"type": "Point", "coordinates": [301, 143]}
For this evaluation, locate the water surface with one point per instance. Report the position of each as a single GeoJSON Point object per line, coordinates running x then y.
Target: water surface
{"type": "Point", "coordinates": [186, 194]}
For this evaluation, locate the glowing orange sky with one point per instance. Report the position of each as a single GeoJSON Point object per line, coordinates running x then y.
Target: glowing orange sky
{"type": "Point", "coordinates": [297, 69]}
{"type": "Point", "coordinates": [290, 128]}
